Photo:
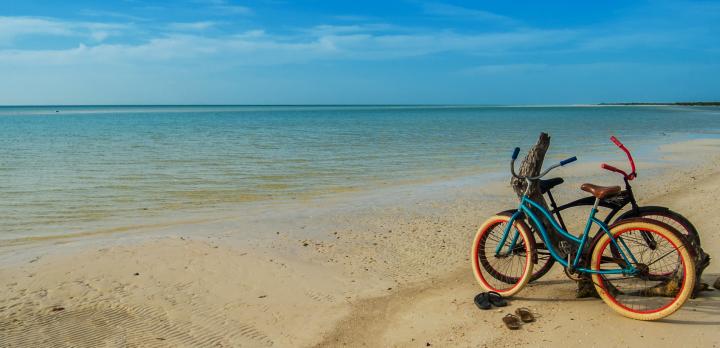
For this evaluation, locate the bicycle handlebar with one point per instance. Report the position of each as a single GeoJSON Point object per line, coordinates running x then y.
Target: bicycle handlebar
{"type": "Point", "coordinates": [569, 160]}
{"type": "Point", "coordinates": [627, 176]}
{"type": "Point", "coordinates": [515, 155]}
{"type": "Point", "coordinates": [613, 169]}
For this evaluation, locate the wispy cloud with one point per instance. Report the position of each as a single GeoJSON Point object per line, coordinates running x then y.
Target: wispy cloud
{"type": "Point", "coordinates": [226, 7]}
{"type": "Point", "coordinates": [328, 29]}
{"type": "Point", "coordinates": [256, 47]}
{"type": "Point", "coordinates": [111, 14]}
{"type": "Point", "coordinates": [448, 10]}
{"type": "Point", "coordinates": [191, 26]}
{"type": "Point", "coordinates": [354, 41]}
{"type": "Point", "coordinates": [12, 28]}
{"type": "Point", "coordinates": [184, 41]}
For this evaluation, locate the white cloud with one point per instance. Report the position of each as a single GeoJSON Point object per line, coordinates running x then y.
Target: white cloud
{"type": "Point", "coordinates": [448, 10]}
{"type": "Point", "coordinates": [185, 41]}
{"type": "Point", "coordinates": [226, 7]}
{"type": "Point", "coordinates": [99, 35]}
{"type": "Point", "coordinates": [256, 47]}
{"type": "Point", "coordinates": [326, 29]}
{"type": "Point", "coordinates": [192, 26]}
{"type": "Point", "coordinates": [111, 14]}
{"type": "Point", "coordinates": [234, 9]}
{"type": "Point", "coordinates": [13, 28]}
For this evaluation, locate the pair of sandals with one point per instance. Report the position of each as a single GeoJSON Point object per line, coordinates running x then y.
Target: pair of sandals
{"type": "Point", "coordinates": [485, 300]}
{"type": "Point", "coordinates": [512, 321]}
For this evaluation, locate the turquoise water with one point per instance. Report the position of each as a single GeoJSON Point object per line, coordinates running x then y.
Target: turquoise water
{"type": "Point", "coordinates": [64, 169]}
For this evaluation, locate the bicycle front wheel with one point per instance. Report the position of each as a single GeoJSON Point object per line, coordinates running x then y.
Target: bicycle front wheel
{"type": "Point", "coordinates": [665, 273]}
{"type": "Point", "coordinates": [543, 261]}
{"type": "Point", "coordinates": [503, 265]}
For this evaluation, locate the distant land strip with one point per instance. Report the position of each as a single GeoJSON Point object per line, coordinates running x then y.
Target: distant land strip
{"type": "Point", "coordinates": [713, 103]}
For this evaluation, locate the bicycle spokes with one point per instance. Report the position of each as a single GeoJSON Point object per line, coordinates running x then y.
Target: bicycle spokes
{"type": "Point", "coordinates": [502, 259]}
{"type": "Point", "coordinates": [507, 259]}
{"type": "Point", "coordinates": [657, 276]}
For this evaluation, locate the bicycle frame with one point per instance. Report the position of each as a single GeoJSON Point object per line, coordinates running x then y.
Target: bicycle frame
{"type": "Point", "coordinates": [525, 208]}
{"type": "Point", "coordinates": [615, 204]}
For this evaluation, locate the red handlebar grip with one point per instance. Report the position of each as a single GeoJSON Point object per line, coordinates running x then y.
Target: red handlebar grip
{"type": "Point", "coordinates": [613, 169]}
{"type": "Point", "coordinates": [629, 156]}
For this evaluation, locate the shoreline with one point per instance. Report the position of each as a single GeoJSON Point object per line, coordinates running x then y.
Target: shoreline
{"type": "Point", "coordinates": [344, 274]}
{"type": "Point", "coordinates": [425, 185]}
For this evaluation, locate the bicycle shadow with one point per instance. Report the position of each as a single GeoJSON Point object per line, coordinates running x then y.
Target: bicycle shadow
{"type": "Point", "coordinates": [555, 299]}
{"type": "Point", "coordinates": [552, 291]}
{"type": "Point", "coordinates": [551, 282]}
{"type": "Point", "coordinates": [706, 303]}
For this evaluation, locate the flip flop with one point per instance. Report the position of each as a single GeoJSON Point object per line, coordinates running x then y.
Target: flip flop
{"type": "Point", "coordinates": [512, 322]}
{"type": "Point", "coordinates": [481, 301]}
{"type": "Point", "coordinates": [496, 299]}
{"type": "Point", "coordinates": [525, 315]}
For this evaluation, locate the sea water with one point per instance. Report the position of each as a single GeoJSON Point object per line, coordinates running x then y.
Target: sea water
{"type": "Point", "coordinates": [66, 169]}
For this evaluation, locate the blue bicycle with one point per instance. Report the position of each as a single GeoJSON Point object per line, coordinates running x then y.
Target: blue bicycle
{"type": "Point", "coordinates": [642, 268]}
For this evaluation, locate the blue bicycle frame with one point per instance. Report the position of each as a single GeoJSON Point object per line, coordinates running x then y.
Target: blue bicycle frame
{"type": "Point", "coordinates": [525, 208]}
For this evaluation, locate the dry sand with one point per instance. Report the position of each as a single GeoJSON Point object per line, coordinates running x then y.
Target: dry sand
{"type": "Point", "coordinates": [388, 268]}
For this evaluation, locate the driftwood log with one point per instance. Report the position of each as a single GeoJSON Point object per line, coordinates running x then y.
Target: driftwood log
{"type": "Point", "coordinates": [531, 166]}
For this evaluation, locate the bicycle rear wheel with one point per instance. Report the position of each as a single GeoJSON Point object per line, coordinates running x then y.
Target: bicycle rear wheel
{"type": "Point", "coordinates": [505, 272]}
{"type": "Point", "coordinates": [665, 277]}
{"type": "Point", "coordinates": [672, 218]}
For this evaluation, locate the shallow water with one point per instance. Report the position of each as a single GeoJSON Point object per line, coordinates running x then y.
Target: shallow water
{"type": "Point", "coordinates": [64, 169]}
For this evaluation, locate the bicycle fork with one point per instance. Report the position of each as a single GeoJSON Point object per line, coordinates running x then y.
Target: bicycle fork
{"type": "Point", "coordinates": [511, 246]}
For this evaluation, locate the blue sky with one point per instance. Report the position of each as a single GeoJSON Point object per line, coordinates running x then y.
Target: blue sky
{"type": "Point", "coordinates": [357, 52]}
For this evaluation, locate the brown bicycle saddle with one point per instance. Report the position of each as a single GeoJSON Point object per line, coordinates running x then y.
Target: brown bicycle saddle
{"type": "Point", "coordinates": [600, 192]}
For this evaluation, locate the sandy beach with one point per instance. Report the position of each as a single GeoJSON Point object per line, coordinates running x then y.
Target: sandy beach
{"type": "Point", "coordinates": [228, 173]}
{"type": "Point", "coordinates": [373, 269]}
